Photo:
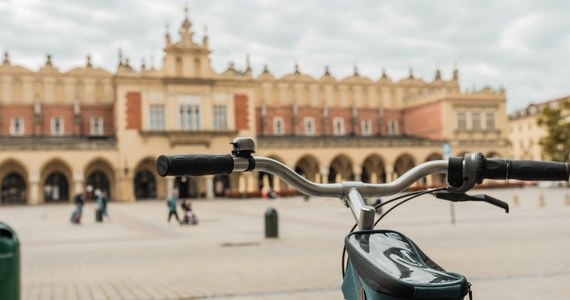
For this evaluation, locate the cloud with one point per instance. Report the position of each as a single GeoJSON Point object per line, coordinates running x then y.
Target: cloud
{"type": "Point", "coordinates": [522, 45]}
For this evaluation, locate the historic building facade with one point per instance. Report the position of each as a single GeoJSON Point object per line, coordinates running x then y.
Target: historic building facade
{"type": "Point", "coordinates": [524, 132]}
{"type": "Point", "coordinates": [64, 131]}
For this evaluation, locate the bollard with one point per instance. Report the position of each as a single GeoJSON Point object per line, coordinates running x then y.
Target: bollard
{"type": "Point", "coordinates": [9, 264]}
{"type": "Point", "coordinates": [541, 201]}
{"type": "Point", "coordinates": [271, 223]}
{"type": "Point", "coordinates": [516, 200]}
{"type": "Point", "coordinates": [98, 215]}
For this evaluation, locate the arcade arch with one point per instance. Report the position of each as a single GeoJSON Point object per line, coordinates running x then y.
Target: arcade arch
{"type": "Point", "coordinates": [56, 181]}
{"type": "Point", "coordinates": [13, 183]}
{"type": "Point", "coordinates": [340, 169]}
{"type": "Point", "coordinates": [373, 169]}
{"type": "Point", "coordinates": [100, 176]}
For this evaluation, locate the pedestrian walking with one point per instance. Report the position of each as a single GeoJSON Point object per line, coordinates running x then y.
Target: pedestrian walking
{"type": "Point", "coordinates": [79, 201]}
{"type": "Point", "coordinates": [102, 203]}
{"type": "Point", "coordinates": [171, 203]}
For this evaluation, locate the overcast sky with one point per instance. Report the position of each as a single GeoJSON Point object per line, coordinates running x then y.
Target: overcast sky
{"type": "Point", "coordinates": [523, 46]}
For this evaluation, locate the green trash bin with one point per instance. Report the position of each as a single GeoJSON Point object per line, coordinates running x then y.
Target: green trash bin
{"type": "Point", "coordinates": [271, 223]}
{"type": "Point", "coordinates": [9, 264]}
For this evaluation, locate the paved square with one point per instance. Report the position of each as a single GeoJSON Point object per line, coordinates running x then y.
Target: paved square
{"type": "Point", "coordinates": [138, 255]}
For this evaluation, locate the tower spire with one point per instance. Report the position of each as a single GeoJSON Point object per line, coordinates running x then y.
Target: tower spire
{"type": "Point", "coordinates": [6, 58]}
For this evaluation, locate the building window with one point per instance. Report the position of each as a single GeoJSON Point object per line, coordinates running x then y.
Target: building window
{"type": "Point", "coordinates": [461, 120]}
{"type": "Point", "coordinates": [189, 112]}
{"type": "Point", "coordinates": [338, 124]}
{"type": "Point", "coordinates": [366, 127]}
{"type": "Point", "coordinates": [309, 126]}
{"type": "Point", "coordinates": [393, 127]}
{"type": "Point", "coordinates": [96, 126]}
{"type": "Point", "coordinates": [490, 119]}
{"type": "Point", "coordinates": [476, 120]}
{"type": "Point", "coordinates": [278, 126]}
{"type": "Point", "coordinates": [156, 116]}
{"type": "Point", "coordinates": [57, 126]}
{"type": "Point", "coordinates": [220, 117]}
{"type": "Point", "coordinates": [17, 126]}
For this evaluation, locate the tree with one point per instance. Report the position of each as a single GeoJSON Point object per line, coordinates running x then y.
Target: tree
{"type": "Point", "coordinates": [556, 121]}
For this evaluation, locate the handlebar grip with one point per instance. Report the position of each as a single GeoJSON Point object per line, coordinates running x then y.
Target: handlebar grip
{"type": "Point", "coordinates": [194, 164]}
{"type": "Point", "coordinates": [538, 170]}
{"type": "Point", "coordinates": [497, 168]}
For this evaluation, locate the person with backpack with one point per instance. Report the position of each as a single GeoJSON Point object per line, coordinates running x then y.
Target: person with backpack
{"type": "Point", "coordinates": [79, 201]}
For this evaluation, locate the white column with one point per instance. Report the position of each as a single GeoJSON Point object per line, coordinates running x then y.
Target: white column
{"type": "Point", "coordinates": [210, 187]}
{"type": "Point", "coordinates": [34, 187]}
{"type": "Point", "coordinates": [169, 186]}
{"type": "Point", "coordinates": [77, 183]}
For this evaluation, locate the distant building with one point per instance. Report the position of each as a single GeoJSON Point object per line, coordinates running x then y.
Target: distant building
{"type": "Point", "coordinates": [524, 132]}
{"type": "Point", "coordinates": [86, 127]}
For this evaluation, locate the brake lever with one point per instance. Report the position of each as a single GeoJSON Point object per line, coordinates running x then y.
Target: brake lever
{"type": "Point", "coordinates": [462, 197]}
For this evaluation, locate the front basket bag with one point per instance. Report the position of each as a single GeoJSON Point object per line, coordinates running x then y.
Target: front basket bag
{"type": "Point", "coordinates": [388, 265]}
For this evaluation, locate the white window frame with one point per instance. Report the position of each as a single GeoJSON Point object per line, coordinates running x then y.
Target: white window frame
{"type": "Point", "coordinates": [93, 129]}
{"type": "Point", "coordinates": [338, 126]}
{"type": "Point", "coordinates": [476, 120]}
{"type": "Point", "coordinates": [156, 120]}
{"type": "Point", "coordinates": [189, 112]}
{"type": "Point", "coordinates": [278, 130]}
{"type": "Point", "coordinates": [461, 120]}
{"type": "Point", "coordinates": [309, 126]}
{"type": "Point", "coordinates": [21, 127]}
{"type": "Point", "coordinates": [491, 120]}
{"type": "Point", "coordinates": [54, 130]}
{"type": "Point", "coordinates": [366, 127]}
{"type": "Point", "coordinates": [393, 127]}
{"type": "Point", "coordinates": [220, 116]}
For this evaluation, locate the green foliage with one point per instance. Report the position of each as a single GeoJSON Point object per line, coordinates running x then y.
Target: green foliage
{"type": "Point", "coordinates": [556, 121]}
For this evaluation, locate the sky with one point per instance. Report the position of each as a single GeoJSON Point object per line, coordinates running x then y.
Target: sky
{"type": "Point", "coordinates": [521, 45]}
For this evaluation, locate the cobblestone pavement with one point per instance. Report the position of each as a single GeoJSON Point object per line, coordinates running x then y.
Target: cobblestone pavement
{"type": "Point", "coordinates": [138, 255]}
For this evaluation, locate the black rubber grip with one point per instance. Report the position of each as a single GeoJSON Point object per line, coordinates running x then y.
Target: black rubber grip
{"type": "Point", "coordinates": [538, 170]}
{"type": "Point", "coordinates": [194, 164]}
{"type": "Point", "coordinates": [497, 168]}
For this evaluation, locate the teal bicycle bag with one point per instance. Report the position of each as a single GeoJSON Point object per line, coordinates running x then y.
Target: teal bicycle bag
{"type": "Point", "coordinates": [387, 265]}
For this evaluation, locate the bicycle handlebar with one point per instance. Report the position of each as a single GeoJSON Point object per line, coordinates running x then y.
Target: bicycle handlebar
{"type": "Point", "coordinates": [458, 170]}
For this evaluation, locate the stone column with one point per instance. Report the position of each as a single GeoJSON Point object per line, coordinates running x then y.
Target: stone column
{"type": "Point", "coordinates": [169, 186]}
{"type": "Point", "coordinates": [324, 174]}
{"type": "Point", "coordinates": [77, 183]}
{"type": "Point", "coordinates": [357, 174]}
{"type": "Point", "coordinates": [35, 190]}
{"type": "Point", "coordinates": [276, 184]}
{"type": "Point", "coordinates": [210, 187]}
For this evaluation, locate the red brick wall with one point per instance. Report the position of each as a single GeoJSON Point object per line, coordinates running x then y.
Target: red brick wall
{"type": "Point", "coordinates": [92, 111]}
{"type": "Point", "coordinates": [286, 112]}
{"type": "Point", "coordinates": [424, 121]}
{"type": "Point", "coordinates": [392, 114]}
{"type": "Point", "coordinates": [315, 113]}
{"type": "Point", "coordinates": [24, 111]}
{"type": "Point", "coordinates": [63, 111]}
{"type": "Point", "coordinates": [134, 111]}
{"type": "Point", "coordinates": [241, 111]}
{"type": "Point", "coordinates": [346, 114]}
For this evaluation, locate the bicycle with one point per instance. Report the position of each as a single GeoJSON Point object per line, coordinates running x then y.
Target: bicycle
{"type": "Point", "coordinates": [382, 264]}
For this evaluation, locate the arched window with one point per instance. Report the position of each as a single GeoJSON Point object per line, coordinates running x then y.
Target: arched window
{"type": "Point", "coordinates": [56, 188]}
{"type": "Point", "coordinates": [99, 181]}
{"type": "Point", "coordinates": [145, 185]}
{"type": "Point", "coordinates": [13, 189]}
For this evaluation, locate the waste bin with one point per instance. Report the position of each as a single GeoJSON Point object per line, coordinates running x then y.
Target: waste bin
{"type": "Point", "coordinates": [271, 223]}
{"type": "Point", "coordinates": [99, 215]}
{"type": "Point", "coordinates": [9, 264]}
